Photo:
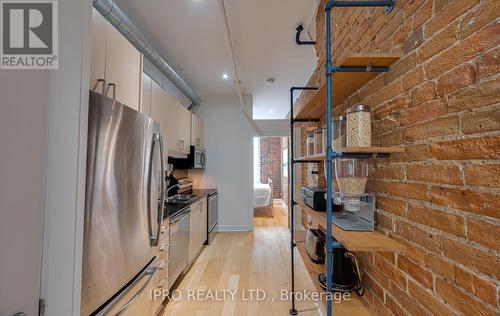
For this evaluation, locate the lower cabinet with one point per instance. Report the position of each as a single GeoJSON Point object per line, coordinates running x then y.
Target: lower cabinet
{"type": "Point", "coordinates": [162, 255]}
{"type": "Point", "coordinates": [197, 228]}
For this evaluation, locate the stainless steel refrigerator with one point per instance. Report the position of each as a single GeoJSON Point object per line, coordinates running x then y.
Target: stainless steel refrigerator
{"type": "Point", "coordinates": [123, 209]}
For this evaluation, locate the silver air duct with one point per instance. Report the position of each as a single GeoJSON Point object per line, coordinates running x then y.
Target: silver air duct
{"type": "Point", "coordinates": [122, 23]}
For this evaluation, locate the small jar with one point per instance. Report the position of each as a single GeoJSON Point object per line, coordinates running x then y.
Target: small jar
{"type": "Point", "coordinates": [339, 132]}
{"type": "Point", "coordinates": [310, 144]}
{"type": "Point", "coordinates": [359, 126]}
{"type": "Point", "coordinates": [318, 141]}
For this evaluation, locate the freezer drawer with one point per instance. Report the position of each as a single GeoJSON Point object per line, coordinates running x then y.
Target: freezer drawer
{"type": "Point", "coordinates": [137, 298]}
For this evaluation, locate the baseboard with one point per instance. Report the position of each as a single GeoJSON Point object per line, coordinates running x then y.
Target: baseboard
{"type": "Point", "coordinates": [234, 228]}
{"type": "Point", "coordinates": [283, 204]}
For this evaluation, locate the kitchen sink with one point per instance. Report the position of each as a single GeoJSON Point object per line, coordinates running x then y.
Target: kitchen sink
{"type": "Point", "coordinates": [181, 198]}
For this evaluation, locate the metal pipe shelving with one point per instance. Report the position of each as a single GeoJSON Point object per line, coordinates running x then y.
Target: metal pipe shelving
{"type": "Point", "coordinates": [330, 69]}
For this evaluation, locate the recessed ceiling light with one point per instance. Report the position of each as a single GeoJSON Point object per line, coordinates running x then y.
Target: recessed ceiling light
{"type": "Point", "coordinates": [271, 111]}
{"type": "Point", "coordinates": [225, 76]}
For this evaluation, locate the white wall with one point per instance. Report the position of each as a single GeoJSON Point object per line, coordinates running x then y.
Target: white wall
{"type": "Point", "coordinates": [228, 141]}
{"type": "Point", "coordinates": [23, 139]}
{"type": "Point", "coordinates": [42, 132]}
{"type": "Point", "coordinates": [66, 162]}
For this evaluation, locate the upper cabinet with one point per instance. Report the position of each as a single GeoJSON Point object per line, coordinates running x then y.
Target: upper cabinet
{"type": "Point", "coordinates": [160, 113]}
{"type": "Point", "coordinates": [174, 119]}
{"type": "Point", "coordinates": [181, 133]}
{"type": "Point", "coordinates": [184, 128]}
{"type": "Point", "coordinates": [115, 62]}
{"type": "Point", "coordinates": [145, 107]}
{"type": "Point", "coordinates": [196, 131]}
{"type": "Point", "coordinates": [98, 51]}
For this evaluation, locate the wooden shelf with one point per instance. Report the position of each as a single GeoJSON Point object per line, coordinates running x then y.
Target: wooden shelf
{"type": "Point", "coordinates": [354, 306]}
{"type": "Point", "coordinates": [368, 241]}
{"type": "Point", "coordinates": [313, 157]}
{"type": "Point", "coordinates": [372, 150]}
{"type": "Point", "coordinates": [344, 84]}
{"type": "Point", "coordinates": [357, 150]}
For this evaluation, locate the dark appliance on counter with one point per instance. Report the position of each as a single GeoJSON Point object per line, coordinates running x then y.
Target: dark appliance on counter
{"type": "Point", "coordinates": [346, 275]}
{"type": "Point", "coordinates": [315, 245]}
{"type": "Point", "coordinates": [195, 160]}
{"type": "Point", "coordinates": [213, 216]}
{"type": "Point", "coordinates": [314, 197]}
{"type": "Point", "coordinates": [171, 187]}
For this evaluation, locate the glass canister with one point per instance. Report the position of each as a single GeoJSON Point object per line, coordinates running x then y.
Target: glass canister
{"type": "Point", "coordinates": [310, 144]}
{"type": "Point", "coordinates": [352, 175]}
{"type": "Point", "coordinates": [339, 132]}
{"type": "Point", "coordinates": [359, 126]}
{"type": "Point", "coordinates": [318, 141]}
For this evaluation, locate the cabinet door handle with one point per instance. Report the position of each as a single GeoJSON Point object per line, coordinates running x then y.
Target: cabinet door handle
{"type": "Point", "coordinates": [103, 85]}
{"type": "Point", "coordinates": [114, 90]}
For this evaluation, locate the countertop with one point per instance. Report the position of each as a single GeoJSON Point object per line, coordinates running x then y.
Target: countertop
{"type": "Point", "coordinates": [172, 209]}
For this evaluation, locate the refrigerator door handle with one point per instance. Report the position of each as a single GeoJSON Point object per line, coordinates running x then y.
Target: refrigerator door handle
{"type": "Point", "coordinates": [150, 272]}
{"type": "Point", "coordinates": [154, 231]}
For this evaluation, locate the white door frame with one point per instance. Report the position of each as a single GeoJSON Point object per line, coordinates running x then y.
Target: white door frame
{"type": "Point", "coordinates": [66, 162]}
{"type": "Point", "coordinates": [260, 133]}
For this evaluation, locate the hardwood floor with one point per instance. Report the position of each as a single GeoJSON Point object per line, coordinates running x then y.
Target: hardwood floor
{"type": "Point", "coordinates": [246, 261]}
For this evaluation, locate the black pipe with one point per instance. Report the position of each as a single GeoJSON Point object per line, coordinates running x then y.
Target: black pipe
{"type": "Point", "coordinates": [293, 310]}
{"type": "Point", "coordinates": [299, 29]}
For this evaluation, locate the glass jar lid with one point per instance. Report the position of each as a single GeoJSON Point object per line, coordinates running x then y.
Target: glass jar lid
{"type": "Point", "coordinates": [339, 118]}
{"type": "Point", "coordinates": [358, 108]}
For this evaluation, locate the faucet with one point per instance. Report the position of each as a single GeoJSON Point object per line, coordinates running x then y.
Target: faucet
{"type": "Point", "coordinates": [171, 188]}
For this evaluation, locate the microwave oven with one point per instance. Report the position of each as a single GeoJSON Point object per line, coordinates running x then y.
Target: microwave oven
{"type": "Point", "coordinates": [197, 156]}
{"type": "Point", "coordinates": [195, 160]}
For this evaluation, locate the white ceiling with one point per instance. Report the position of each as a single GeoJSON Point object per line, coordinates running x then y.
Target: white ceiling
{"type": "Point", "coordinates": [189, 34]}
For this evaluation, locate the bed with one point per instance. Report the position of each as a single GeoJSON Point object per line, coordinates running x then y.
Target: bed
{"type": "Point", "coordinates": [263, 194]}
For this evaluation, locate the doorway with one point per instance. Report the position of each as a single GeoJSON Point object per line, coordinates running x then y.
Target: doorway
{"type": "Point", "coordinates": [271, 181]}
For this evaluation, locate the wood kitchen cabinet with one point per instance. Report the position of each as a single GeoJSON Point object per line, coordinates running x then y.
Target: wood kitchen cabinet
{"type": "Point", "coordinates": [183, 128]}
{"type": "Point", "coordinates": [174, 119]}
{"type": "Point", "coordinates": [196, 131]}
{"type": "Point", "coordinates": [145, 106]}
{"type": "Point", "coordinates": [161, 281]}
{"type": "Point", "coordinates": [116, 61]}
{"type": "Point", "coordinates": [99, 29]}
{"type": "Point", "coordinates": [160, 112]}
{"type": "Point", "coordinates": [197, 228]}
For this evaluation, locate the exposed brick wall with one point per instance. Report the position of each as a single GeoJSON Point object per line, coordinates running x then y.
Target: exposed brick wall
{"type": "Point", "coordinates": [284, 180]}
{"type": "Point", "coordinates": [270, 163]}
{"type": "Point", "coordinates": [441, 198]}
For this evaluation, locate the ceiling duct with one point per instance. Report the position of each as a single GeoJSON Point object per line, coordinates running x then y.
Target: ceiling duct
{"type": "Point", "coordinates": [110, 10]}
